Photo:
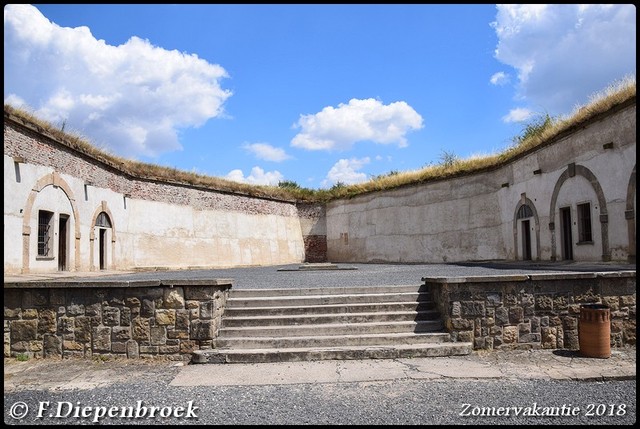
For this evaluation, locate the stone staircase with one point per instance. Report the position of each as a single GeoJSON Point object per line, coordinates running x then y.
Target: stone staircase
{"type": "Point", "coordinates": [381, 322]}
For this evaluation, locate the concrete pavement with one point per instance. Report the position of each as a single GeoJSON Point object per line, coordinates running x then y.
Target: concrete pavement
{"type": "Point", "coordinates": [56, 375]}
{"type": "Point", "coordinates": [529, 364]}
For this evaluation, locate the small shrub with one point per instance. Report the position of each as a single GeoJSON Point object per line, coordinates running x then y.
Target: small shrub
{"type": "Point", "coordinates": [448, 159]}
{"type": "Point", "coordinates": [535, 128]}
{"type": "Point", "coordinates": [288, 184]}
{"type": "Point", "coordinates": [338, 185]}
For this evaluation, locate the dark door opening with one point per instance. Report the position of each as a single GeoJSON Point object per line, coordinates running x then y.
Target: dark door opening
{"type": "Point", "coordinates": [102, 245]}
{"type": "Point", "coordinates": [62, 243]}
{"type": "Point", "coordinates": [526, 241]}
{"type": "Point", "coordinates": [567, 240]}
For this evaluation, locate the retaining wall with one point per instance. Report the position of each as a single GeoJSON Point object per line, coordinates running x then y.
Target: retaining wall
{"type": "Point", "coordinates": [132, 319]}
{"type": "Point", "coordinates": [533, 310]}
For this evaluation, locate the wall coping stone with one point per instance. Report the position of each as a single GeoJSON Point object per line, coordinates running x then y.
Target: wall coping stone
{"type": "Point", "coordinates": [79, 283]}
{"type": "Point", "coordinates": [617, 274]}
{"type": "Point", "coordinates": [525, 277]}
{"type": "Point", "coordinates": [479, 279]}
{"type": "Point", "coordinates": [563, 276]}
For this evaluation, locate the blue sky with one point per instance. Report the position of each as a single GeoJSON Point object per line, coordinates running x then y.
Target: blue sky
{"type": "Point", "coordinates": [315, 94]}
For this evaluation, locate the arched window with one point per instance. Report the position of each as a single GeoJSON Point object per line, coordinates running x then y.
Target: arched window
{"type": "Point", "coordinates": [103, 220]}
{"type": "Point", "coordinates": [524, 212]}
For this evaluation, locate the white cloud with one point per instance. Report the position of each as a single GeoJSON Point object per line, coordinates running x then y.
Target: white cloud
{"type": "Point", "coordinates": [132, 98]}
{"type": "Point", "coordinates": [14, 100]}
{"type": "Point", "coordinates": [566, 52]}
{"type": "Point", "coordinates": [267, 152]}
{"type": "Point", "coordinates": [519, 114]}
{"type": "Point", "coordinates": [346, 171]}
{"type": "Point", "coordinates": [359, 120]}
{"type": "Point", "coordinates": [257, 177]}
{"type": "Point", "coordinates": [500, 78]}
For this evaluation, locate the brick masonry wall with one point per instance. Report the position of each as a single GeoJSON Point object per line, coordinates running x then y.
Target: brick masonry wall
{"type": "Point", "coordinates": [84, 321]}
{"type": "Point", "coordinates": [314, 232]}
{"type": "Point", "coordinates": [533, 311]}
{"type": "Point", "coordinates": [33, 148]}
{"type": "Point", "coordinates": [315, 248]}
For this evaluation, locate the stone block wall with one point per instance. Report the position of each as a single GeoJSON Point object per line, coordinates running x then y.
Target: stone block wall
{"type": "Point", "coordinates": [534, 310]}
{"type": "Point", "coordinates": [132, 319]}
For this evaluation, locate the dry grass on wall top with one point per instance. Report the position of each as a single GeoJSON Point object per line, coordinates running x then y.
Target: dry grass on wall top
{"type": "Point", "coordinates": [535, 134]}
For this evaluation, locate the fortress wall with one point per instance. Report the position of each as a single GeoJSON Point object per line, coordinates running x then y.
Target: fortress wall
{"type": "Point", "coordinates": [474, 216]}
{"type": "Point", "coordinates": [154, 223]}
{"type": "Point", "coordinates": [477, 216]}
{"type": "Point", "coordinates": [444, 221]}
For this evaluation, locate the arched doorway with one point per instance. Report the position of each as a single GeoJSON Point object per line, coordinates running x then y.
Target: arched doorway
{"type": "Point", "coordinates": [581, 185]}
{"type": "Point", "coordinates": [102, 239]}
{"type": "Point", "coordinates": [103, 224]}
{"type": "Point", "coordinates": [54, 243]}
{"type": "Point", "coordinates": [525, 238]}
{"type": "Point", "coordinates": [526, 231]}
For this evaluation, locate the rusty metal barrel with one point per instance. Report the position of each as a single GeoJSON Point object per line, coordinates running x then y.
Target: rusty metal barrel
{"type": "Point", "coordinates": [594, 331]}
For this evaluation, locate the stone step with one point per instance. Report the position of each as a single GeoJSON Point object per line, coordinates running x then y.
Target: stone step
{"type": "Point", "coordinates": [332, 318]}
{"type": "Point", "coordinates": [331, 353]}
{"type": "Point", "coordinates": [326, 299]}
{"type": "Point", "coordinates": [385, 339]}
{"type": "Point", "coordinates": [277, 325]}
{"type": "Point", "coordinates": [329, 308]}
{"type": "Point", "coordinates": [331, 329]}
{"type": "Point", "coordinates": [326, 290]}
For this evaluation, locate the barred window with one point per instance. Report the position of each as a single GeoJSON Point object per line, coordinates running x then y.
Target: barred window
{"type": "Point", "coordinates": [45, 233]}
{"type": "Point", "coordinates": [584, 223]}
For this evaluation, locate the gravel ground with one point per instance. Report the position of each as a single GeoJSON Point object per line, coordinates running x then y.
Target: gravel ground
{"type": "Point", "coordinates": [363, 275]}
{"type": "Point", "coordinates": [372, 403]}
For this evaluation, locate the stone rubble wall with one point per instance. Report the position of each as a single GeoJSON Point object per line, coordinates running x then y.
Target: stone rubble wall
{"type": "Point", "coordinates": [533, 311]}
{"type": "Point", "coordinates": [313, 224]}
{"type": "Point", "coordinates": [163, 320]}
